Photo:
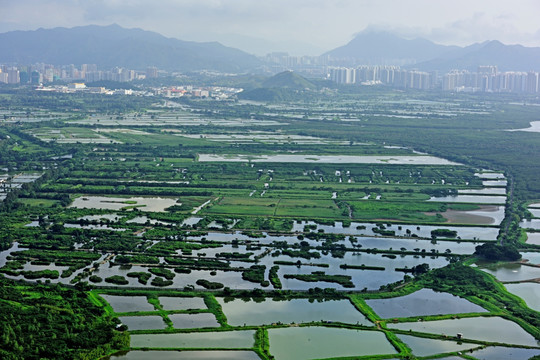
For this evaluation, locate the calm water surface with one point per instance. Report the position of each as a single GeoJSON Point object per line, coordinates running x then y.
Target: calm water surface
{"type": "Point", "coordinates": [422, 302]}
{"type": "Point", "coordinates": [504, 353]}
{"type": "Point", "coordinates": [187, 355]}
{"type": "Point", "coordinates": [122, 304]}
{"type": "Point", "coordinates": [493, 329]}
{"type": "Point", "coordinates": [221, 339]}
{"type": "Point", "coordinates": [239, 312]}
{"type": "Point", "coordinates": [143, 322]}
{"type": "Point", "coordinates": [182, 303]}
{"type": "Point", "coordinates": [299, 343]}
{"type": "Point", "coordinates": [192, 321]}
{"type": "Point", "coordinates": [427, 347]}
{"type": "Point", "coordinates": [529, 292]}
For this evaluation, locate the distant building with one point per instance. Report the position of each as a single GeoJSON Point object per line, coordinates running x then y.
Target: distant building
{"type": "Point", "coordinates": [77, 86]}
{"type": "Point", "coordinates": [378, 74]}
{"type": "Point", "coordinates": [35, 78]}
{"type": "Point", "coordinates": [13, 76]}
{"type": "Point", "coordinates": [151, 72]}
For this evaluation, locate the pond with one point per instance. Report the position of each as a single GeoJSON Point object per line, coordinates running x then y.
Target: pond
{"type": "Point", "coordinates": [532, 257]}
{"type": "Point", "coordinates": [370, 279]}
{"type": "Point", "coordinates": [490, 175]}
{"type": "Point", "coordinates": [156, 204]}
{"type": "Point", "coordinates": [494, 183]}
{"type": "Point", "coordinates": [533, 238]}
{"type": "Point", "coordinates": [92, 227]}
{"type": "Point", "coordinates": [121, 304]}
{"type": "Point", "coordinates": [331, 159]}
{"type": "Point", "coordinates": [528, 291]}
{"type": "Point", "coordinates": [486, 215]}
{"type": "Point", "coordinates": [240, 312]}
{"type": "Point", "coordinates": [534, 127]}
{"type": "Point", "coordinates": [534, 212]}
{"type": "Point", "coordinates": [181, 303]}
{"type": "Point", "coordinates": [188, 355]}
{"type": "Point", "coordinates": [232, 279]}
{"type": "Point", "coordinates": [422, 302]}
{"type": "Point", "coordinates": [4, 254]}
{"type": "Point", "coordinates": [210, 340]}
{"type": "Point", "coordinates": [143, 322]}
{"type": "Point", "coordinates": [474, 199]}
{"type": "Point", "coordinates": [484, 191]}
{"type": "Point", "coordinates": [110, 217]}
{"type": "Point", "coordinates": [493, 329]}
{"type": "Point", "coordinates": [356, 228]}
{"type": "Point", "coordinates": [530, 224]}
{"type": "Point", "coordinates": [513, 272]}
{"type": "Point", "coordinates": [144, 220]}
{"type": "Point", "coordinates": [464, 232]}
{"type": "Point", "coordinates": [427, 347]}
{"type": "Point", "coordinates": [192, 321]}
{"type": "Point", "coordinates": [193, 220]}
{"type": "Point", "coordinates": [416, 245]}
{"type": "Point", "coordinates": [504, 353]}
{"type": "Point", "coordinates": [299, 343]}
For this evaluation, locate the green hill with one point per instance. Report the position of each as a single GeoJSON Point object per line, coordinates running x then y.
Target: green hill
{"type": "Point", "coordinates": [110, 46]}
{"type": "Point", "coordinates": [288, 80]}
{"type": "Point", "coordinates": [284, 86]}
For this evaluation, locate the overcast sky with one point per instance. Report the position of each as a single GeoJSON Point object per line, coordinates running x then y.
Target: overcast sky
{"type": "Point", "coordinates": [298, 26]}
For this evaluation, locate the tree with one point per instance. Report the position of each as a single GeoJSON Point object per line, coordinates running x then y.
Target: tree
{"type": "Point", "coordinates": [495, 252]}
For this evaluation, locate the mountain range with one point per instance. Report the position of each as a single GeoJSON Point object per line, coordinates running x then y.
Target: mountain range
{"type": "Point", "coordinates": [379, 47]}
{"type": "Point", "coordinates": [110, 46]}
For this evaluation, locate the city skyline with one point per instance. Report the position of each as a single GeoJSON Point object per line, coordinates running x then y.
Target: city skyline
{"type": "Point", "coordinates": [306, 27]}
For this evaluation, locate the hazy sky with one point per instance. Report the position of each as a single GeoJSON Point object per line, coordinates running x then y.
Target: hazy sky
{"type": "Point", "coordinates": [297, 26]}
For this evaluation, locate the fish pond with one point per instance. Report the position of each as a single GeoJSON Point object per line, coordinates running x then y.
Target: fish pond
{"type": "Point", "coordinates": [491, 329]}
{"type": "Point", "coordinates": [356, 228]}
{"type": "Point", "coordinates": [504, 353]}
{"type": "Point", "coordinates": [121, 304]}
{"type": "Point", "coordinates": [192, 321]}
{"type": "Point", "coordinates": [331, 159]}
{"type": "Point", "coordinates": [530, 224]}
{"type": "Point", "coordinates": [427, 347]}
{"type": "Point", "coordinates": [422, 302]}
{"type": "Point", "coordinates": [187, 355]}
{"type": "Point", "coordinates": [268, 311]}
{"type": "Point", "coordinates": [143, 322]}
{"type": "Point", "coordinates": [513, 272]}
{"type": "Point", "coordinates": [474, 199]}
{"type": "Point", "coordinates": [299, 343]}
{"type": "Point", "coordinates": [155, 204]}
{"type": "Point", "coordinates": [200, 340]}
{"type": "Point", "coordinates": [533, 238]}
{"type": "Point", "coordinates": [528, 291]}
{"type": "Point", "coordinates": [181, 303]}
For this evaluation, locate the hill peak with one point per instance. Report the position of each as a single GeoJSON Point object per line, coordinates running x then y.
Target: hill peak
{"type": "Point", "coordinates": [380, 47]}
{"type": "Point", "coordinates": [289, 80]}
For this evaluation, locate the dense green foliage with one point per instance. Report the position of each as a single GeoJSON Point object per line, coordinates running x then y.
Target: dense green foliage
{"type": "Point", "coordinates": [496, 252]}
{"type": "Point", "coordinates": [315, 276]}
{"type": "Point", "coordinates": [53, 322]}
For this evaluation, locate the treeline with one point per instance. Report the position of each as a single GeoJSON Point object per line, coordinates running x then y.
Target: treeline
{"type": "Point", "coordinates": [82, 102]}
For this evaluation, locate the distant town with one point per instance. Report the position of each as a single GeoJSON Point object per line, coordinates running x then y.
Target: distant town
{"type": "Point", "coordinates": [487, 78]}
